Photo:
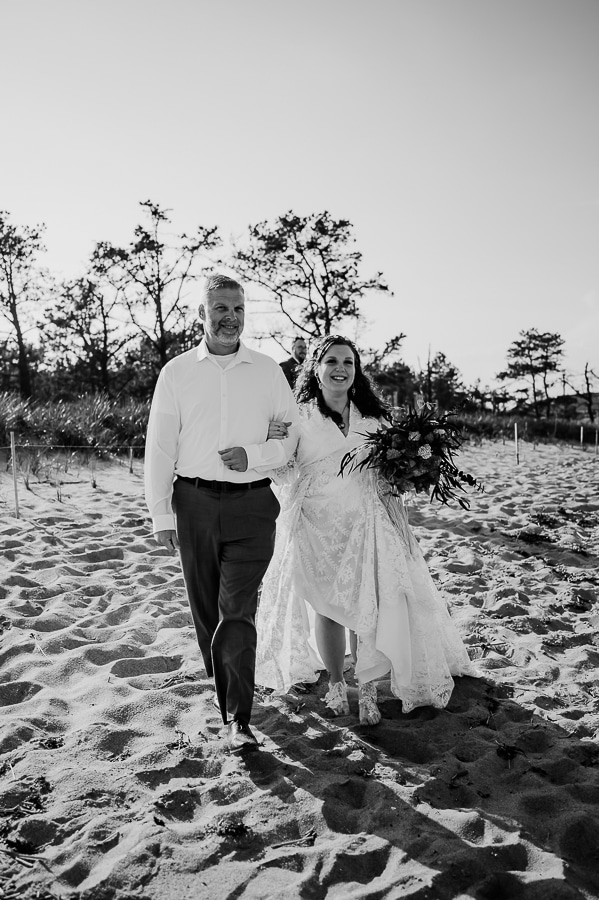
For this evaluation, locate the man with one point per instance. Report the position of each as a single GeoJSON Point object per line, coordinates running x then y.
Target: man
{"type": "Point", "coordinates": [291, 366]}
{"type": "Point", "coordinates": [207, 433]}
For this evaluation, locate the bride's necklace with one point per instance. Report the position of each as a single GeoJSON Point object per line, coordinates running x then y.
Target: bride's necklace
{"type": "Point", "coordinates": [341, 425]}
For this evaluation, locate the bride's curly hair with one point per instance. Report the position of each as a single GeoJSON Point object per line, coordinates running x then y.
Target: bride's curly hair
{"type": "Point", "coordinates": [362, 393]}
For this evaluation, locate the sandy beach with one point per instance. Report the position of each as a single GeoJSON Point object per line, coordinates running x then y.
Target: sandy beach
{"type": "Point", "coordinates": [115, 778]}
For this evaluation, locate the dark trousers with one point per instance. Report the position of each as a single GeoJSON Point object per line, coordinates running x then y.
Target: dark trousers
{"type": "Point", "coordinates": [226, 541]}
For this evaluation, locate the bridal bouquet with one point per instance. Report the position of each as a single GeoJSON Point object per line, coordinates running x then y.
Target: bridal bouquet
{"type": "Point", "coordinates": [415, 453]}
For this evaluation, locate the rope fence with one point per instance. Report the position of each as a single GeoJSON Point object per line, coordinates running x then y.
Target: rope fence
{"type": "Point", "coordinates": [518, 440]}
{"type": "Point", "coordinates": [51, 448]}
{"type": "Point", "coordinates": [130, 449]}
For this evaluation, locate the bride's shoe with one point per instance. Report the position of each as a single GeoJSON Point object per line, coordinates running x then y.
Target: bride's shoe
{"type": "Point", "coordinates": [370, 714]}
{"type": "Point", "coordinates": [336, 699]}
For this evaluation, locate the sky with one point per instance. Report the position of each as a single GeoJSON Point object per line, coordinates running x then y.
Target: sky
{"type": "Point", "coordinates": [459, 137]}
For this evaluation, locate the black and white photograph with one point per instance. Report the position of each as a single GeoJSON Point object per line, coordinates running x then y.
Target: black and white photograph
{"type": "Point", "coordinates": [299, 450]}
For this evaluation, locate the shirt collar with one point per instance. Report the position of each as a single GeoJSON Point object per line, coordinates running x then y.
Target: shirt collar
{"type": "Point", "coordinates": [243, 354]}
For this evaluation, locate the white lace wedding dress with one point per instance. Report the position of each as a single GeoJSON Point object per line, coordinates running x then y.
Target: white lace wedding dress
{"type": "Point", "coordinates": [344, 549]}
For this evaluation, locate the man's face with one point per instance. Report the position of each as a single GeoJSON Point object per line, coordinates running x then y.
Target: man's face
{"type": "Point", "coordinates": [223, 313]}
{"type": "Point", "coordinates": [299, 351]}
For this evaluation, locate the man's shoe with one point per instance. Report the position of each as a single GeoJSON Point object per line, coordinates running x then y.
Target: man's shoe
{"type": "Point", "coordinates": [241, 736]}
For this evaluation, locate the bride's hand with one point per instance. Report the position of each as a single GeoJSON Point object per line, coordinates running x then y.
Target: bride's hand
{"type": "Point", "coordinates": [277, 431]}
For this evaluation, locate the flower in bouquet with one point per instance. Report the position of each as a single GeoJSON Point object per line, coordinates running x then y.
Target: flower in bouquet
{"type": "Point", "coordinates": [415, 454]}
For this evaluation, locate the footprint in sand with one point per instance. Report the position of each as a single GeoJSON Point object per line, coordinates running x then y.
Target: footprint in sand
{"type": "Point", "coordinates": [50, 622]}
{"type": "Point", "coordinates": [20, 581]}
{"type": "Point", "coordinates": [117, 742]}
{"type": "Point", "coordinates": [28, 609]}
{"type": "Point", "coordinates": [120, 614]}
{"type": "Point", "coordinates": [135, 548]}
{"type": "Point", "coordinates": [104, 554]}
{"type": "Point", "coordinates": [132, 520]}
{"type": "Point", "coordinates": [179, 804]}
{"type": "Point", "coordinates": [61, 643]}
{"type": "Point", "coordinates": [148, 665]}
{"type": "Point", "coordinates": [177, 619]}
{"type": "Point", "coordinates": [48, 562]}
{"type": "Point", "coordinates": [18, 692]}
{"type": "Point", "coordinates": [152, 580]}
{"type": "Point", "coordinates": [100, 656]}
{"type": "Point", "coordinates": [134, 568]}
{"type": "Point", "coordinates": [72, 571]}
{"type": "Point", "coordinates": [10, 545]}
{"type": "Point", "coordinates": [53, 520]}
{"type": "Point", "coordinates": [93, 590]}
{"type": "Point", "coordinates": [185, 768]}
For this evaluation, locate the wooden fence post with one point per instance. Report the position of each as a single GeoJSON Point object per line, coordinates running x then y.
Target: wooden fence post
{"type": "Point", "coordinates": [13, 456]}
{"type": "Point", "coordinates": [516, 443]}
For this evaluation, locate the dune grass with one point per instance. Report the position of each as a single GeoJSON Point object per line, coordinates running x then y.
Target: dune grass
{"type": "Point", "coordinates": [96, 422]}
{"type": "Point", "coordinates": [93, 422]}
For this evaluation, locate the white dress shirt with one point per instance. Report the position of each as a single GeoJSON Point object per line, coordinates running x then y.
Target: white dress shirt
{"type": "Point", "coordinates": [200, 408]}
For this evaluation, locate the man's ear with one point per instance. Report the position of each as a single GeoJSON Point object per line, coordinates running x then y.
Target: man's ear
{"type": "Point", "coordinates": [202, 312]}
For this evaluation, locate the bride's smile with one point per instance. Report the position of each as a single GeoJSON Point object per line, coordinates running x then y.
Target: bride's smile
{"type": "Point", "coordinates": [337, 370]}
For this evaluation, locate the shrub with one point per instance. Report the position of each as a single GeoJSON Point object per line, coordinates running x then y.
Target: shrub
{"type": "Point", "coordinates": [487, 425]}
{"type": "Point", "coordinates": [89, 422]}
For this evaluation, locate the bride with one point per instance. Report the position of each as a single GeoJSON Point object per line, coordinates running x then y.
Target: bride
{"type": "Point", "coordinates": [345, 557]}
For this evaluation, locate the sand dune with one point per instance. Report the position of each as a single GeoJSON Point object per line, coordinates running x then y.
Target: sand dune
{"type": "Point", "coordinates": [115, 778]}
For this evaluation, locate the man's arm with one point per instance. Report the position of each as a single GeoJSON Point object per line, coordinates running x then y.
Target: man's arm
{"type": "Point", "coordinates": [162, 441]}
{"type": "Point", "coordinates": [273, 454]}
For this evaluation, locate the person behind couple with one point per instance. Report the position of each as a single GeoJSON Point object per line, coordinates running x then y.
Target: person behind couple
{"type": "Point", "coordinates": [345, 557]}
{"type": "Point", "coordinates": [292, 365]}
{"type": "Point", "coordinates": [207, 434]}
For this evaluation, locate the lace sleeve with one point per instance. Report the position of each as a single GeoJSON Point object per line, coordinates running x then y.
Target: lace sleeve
{"type": "Point", "coordinates": [287, 474]}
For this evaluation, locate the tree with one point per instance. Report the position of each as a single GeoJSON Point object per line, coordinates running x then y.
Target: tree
{"type": "Point", "coordinates": [396, 381]}
{"type": "Point", "coordinates": [86, 333]}
{"type": "Point", "coordinates": [9, 365]}
{"type": "Point", "coordinates": [378, 357]}
{"type": "Point", "coordinates": [138, 372]}
{"type": "Point", "coordinates": [499, 401]}
{"type": "Point", "coordinates": [18, 249]}
{"type": "Point", "coordinates": [587, 395]}
{"type": "Point", "coordinates": [441, 382]}
{"type": "Point", "coordinates": [534, 358]}
{"type": "Point", "coordinates": [153, 276]}
{"type": "Point", "coordinates": [479, 396]}
{"type": "Point", "coordinates": [309, 270]}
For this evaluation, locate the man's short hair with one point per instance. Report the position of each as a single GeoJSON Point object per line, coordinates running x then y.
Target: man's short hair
{"type": "Point", "coordinates": [217, 282]}
{"type": "Point", "coordinates": [299, 338]}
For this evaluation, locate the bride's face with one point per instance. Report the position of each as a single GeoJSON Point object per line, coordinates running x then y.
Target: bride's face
{"type": "Point", "coordinates": [337, 369]}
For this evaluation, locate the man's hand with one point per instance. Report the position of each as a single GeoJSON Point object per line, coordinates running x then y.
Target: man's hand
{"type": "Point", "coordinates": [167, 539]}
{"type": "Point", "coordinates": [234, 458]}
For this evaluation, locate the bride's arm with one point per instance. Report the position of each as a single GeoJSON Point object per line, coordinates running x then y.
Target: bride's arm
{"type": "Point", "coordinates": [279, 431]}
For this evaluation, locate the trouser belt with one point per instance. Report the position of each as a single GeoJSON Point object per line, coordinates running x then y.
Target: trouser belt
{"type": "Point", "coordinates": [224, 486]}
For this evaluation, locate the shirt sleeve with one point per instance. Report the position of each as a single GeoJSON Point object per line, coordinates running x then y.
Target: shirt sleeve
{"type": "Point", "coordinates": [272, 454]}
{"type": "Point", "coordinates": [162, 442]}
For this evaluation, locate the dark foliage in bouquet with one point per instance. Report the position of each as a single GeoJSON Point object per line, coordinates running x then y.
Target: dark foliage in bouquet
{"type": "Point", "coordinates": [415, 453]}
